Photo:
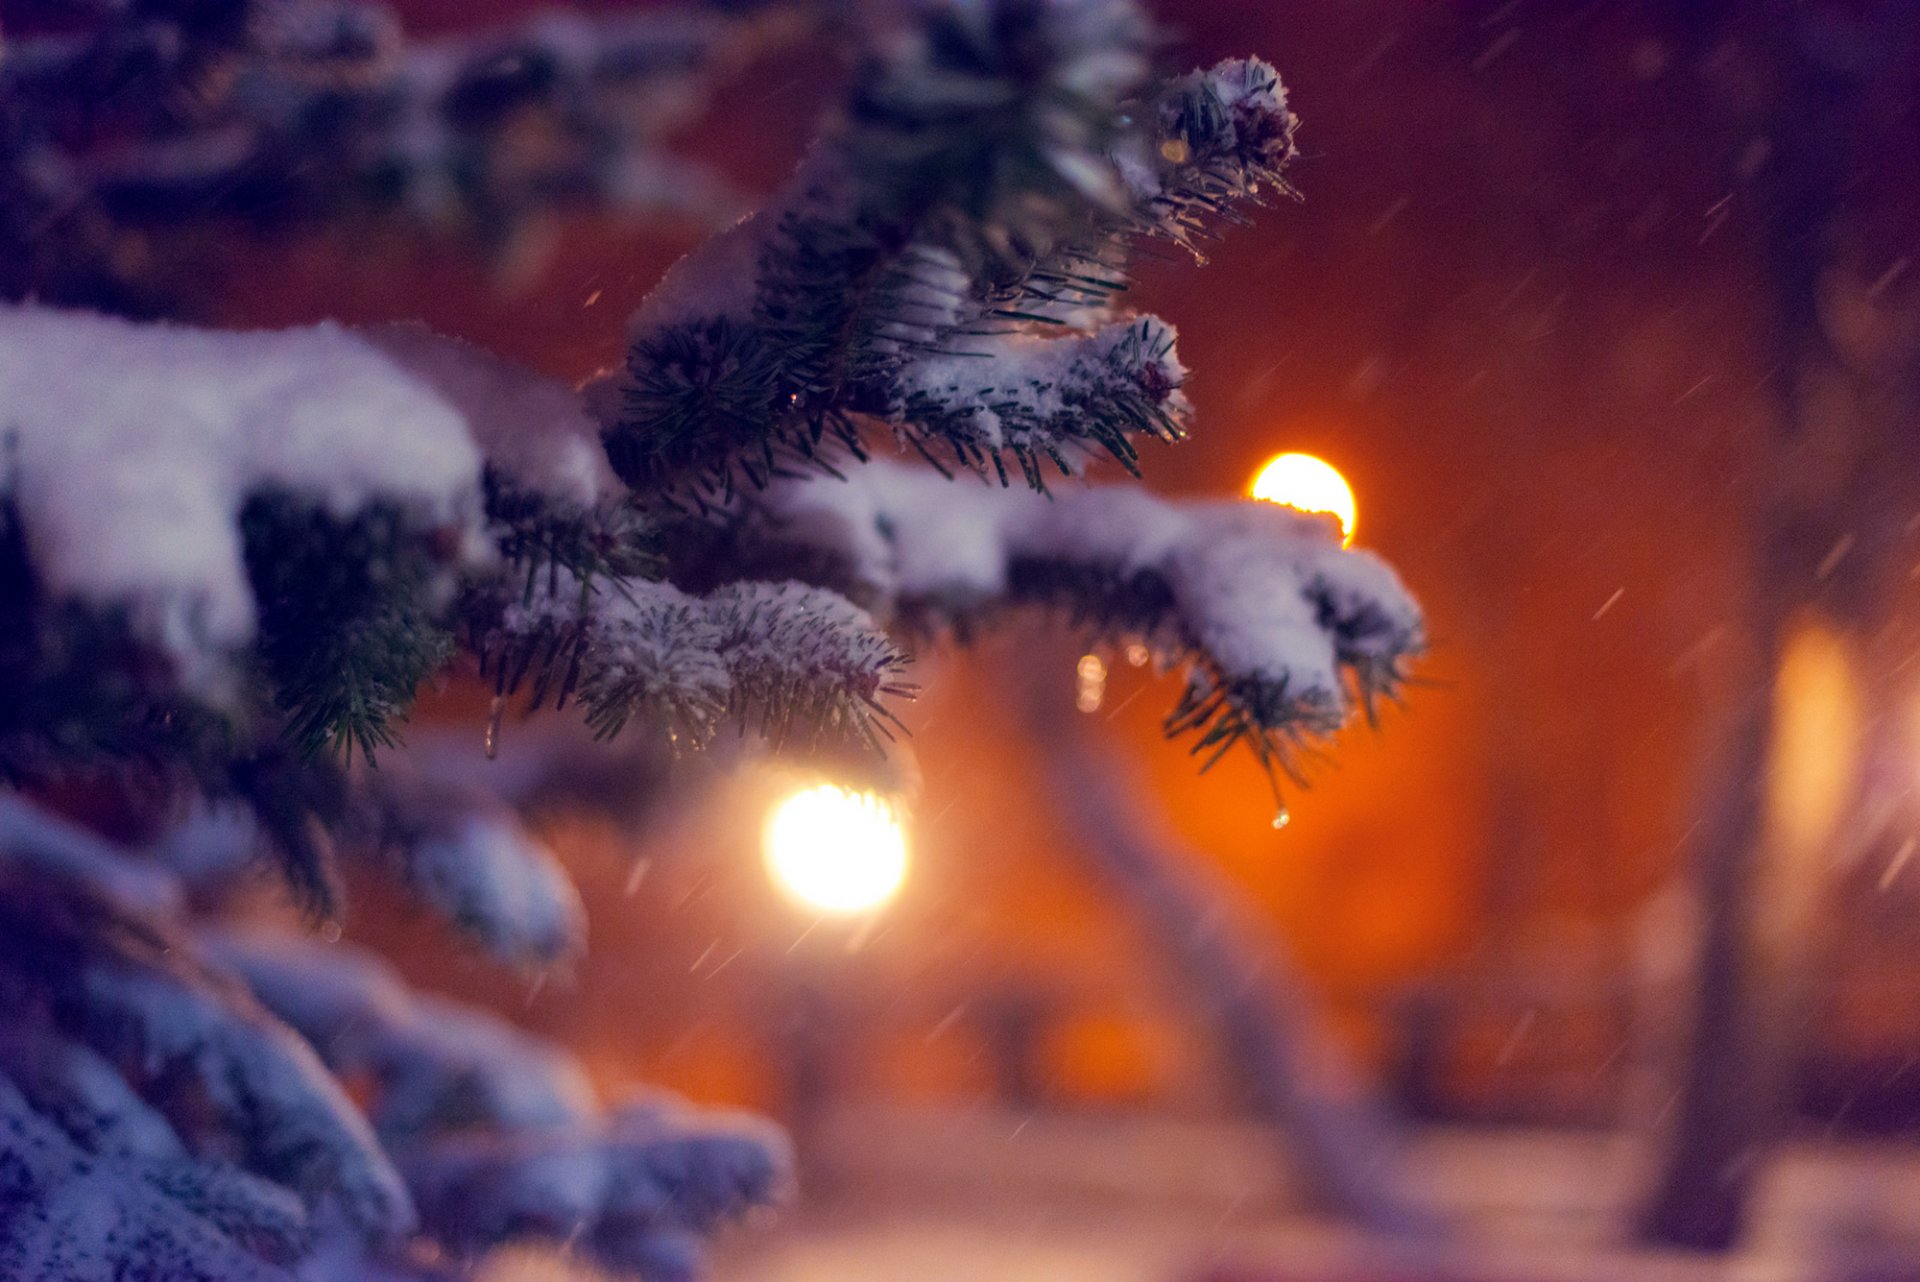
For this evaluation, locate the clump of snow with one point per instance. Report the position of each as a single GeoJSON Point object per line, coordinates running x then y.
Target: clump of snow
{"type": "Point", "coordinates": [467, 856]}
{"type": "Point", "coordinates": [1121, 527]}
{"type": "Point", "coordinates": [624, 1187]}
{"type": "Point", "coordinates": [488, 876]}
{"type": "Point", "coordinates": [1248, 610]}
{"type": "Point", "coordinates": [1263, 593]}
{"type": "Point", "coordinates": [534, 430]}
{"type": "Point", "coordinates": [32, 835]}
{"type": "Point", "coordinates": [780, 639]}
{"type": "Point", "coordinates": [68, 1214]}
{"type": "Point", "coordinates": [929, 291]}
{"type": "Point", "coordinates": [1025, 390]}
{"type": "Point", "coordinates": [132, 448]}
{"type": "Point", "coordinates": [717, 279]}
{"type": "Point", "coordinates": [435, 1065]}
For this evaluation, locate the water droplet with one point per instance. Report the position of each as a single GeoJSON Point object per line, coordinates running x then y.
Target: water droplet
{"type": "Point", "coordinates": [1092, 689]}
{"type": "Point", "coordinates": [1282, 817]}
{"type": "Point", "coordinates": [330, 931]}
{"type": "Point", "coordinates": [494, 710]}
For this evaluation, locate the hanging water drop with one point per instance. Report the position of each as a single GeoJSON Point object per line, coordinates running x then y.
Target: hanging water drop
{"type": "Point", "coordinates": [494, 710]}
{"type": "Point", "coordinates": [1281, 818]}
{"type": "Point", "coordinates": [1091, 672]}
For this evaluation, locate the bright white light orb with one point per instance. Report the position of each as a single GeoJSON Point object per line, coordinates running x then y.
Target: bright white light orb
{"type": "Point", "coordinates": [1309, 484]}
{"type": "Point", "coordinates": [838, 852]}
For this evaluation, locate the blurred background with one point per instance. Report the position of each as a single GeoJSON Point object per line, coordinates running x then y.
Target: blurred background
{"type": "Point", "coordinates": [1605, 311]}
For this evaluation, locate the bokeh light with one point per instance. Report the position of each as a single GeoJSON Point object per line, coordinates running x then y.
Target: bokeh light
{"type": "Point", "coordinates": [835, 851]}
{"type": "Point", "coordinates": [1309, 484]}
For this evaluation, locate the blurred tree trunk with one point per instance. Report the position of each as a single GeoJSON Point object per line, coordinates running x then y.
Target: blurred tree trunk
{"type": "Point", "coordinates": [1816, 106]}
{"type": "Point", "coordinates": [1267, 1031]}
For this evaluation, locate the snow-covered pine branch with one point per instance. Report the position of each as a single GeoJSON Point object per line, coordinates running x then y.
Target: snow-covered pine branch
{"type": "Point", "coordinates": [67, 1084]}
{"type": "Point", "coordinates": [1284, 632]}
{"type": "Point", "coordinates": [498, 1134]}
{"type": "Point", "coordinates": [235, 558]}
{"type": "Point", "coordinates": [429, 1065]}
{"type": "Point", "coordinates": [136, 1051]}
{"type": "Point", "coordinates": [637, 1189]}
{"type": "Point", "coordinates": [787, 660]}
{"type": "Point", "coordinates": [450, 846]}
{"type": "Point", "coordinates": [69, 1213]}
{"type": "Point", "coordinates": [301, 110]}
{"type": "Point", "coordinates": [1200, 146]}
{"type": "Point", "coordinates": [123, 985]}
{"type": "Point", "coordinates": [227, 561]}
{"type": "Point", "coordinates": [990, 166]}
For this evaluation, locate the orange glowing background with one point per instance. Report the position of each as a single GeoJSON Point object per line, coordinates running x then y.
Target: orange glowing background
{"type": "Point", "coordinates": [1309, 484]}
{"type": "Point", "coordinates": [1525, 369]}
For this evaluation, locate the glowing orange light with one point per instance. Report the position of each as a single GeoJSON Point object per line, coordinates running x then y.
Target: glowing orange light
{"type": "Point", "coordinates": [1309, 484]}
{"type": "Point", "coordinates": [839, 852]}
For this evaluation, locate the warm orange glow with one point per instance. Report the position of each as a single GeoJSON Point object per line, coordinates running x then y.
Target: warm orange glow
{"type": "Point", "coordinates": [835, 851]}
{"type": "Point", "coordinates": [1310, 484]}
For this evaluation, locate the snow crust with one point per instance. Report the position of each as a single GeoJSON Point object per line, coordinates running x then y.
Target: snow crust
{"type": "Point", "coordinates": [1013, 388]}
{"type": "Point", "coordinates": [627, 1187]}
{"type": "Point", "coordinates": [129, 451]}
{"type": "Point", "coordinates": [745, 642]}
{"type": "Point", "coordinates": [437, 1065]}
{"type": "Point", "coordinates": [534, 430]}
{"type": "Point", "coordinates": [1263, 591]}
{"type": "Point", "coordinates": [132, 449]}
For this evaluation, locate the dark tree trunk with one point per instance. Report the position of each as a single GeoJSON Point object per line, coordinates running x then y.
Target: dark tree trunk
{"type": "Point", "coordinates": [1826, 91]}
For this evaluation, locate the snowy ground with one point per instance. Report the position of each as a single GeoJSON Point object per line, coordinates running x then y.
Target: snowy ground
{"type": "Point", "coordinates": [987, 1197]}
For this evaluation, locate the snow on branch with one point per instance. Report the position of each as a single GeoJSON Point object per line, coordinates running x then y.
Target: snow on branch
{"type": "Point", "coordinates": [70, 1214]}
{"type": "Point", "coordinates": [974, 139]}
{"type": "Point", "coordinates": [1283, 631]}
{"type": "Point", "coordinates": [129, 986]}
{"type": "Point", "coordinates": [1044, 399]}
{"type": "Point", "coordinates": [431, 1064]}
{"type": "Point", "coordinates": [132, 450]}
{"type": "Point", "coordinates": [992, 164]}
{"type": "Point", "coordinates": [34, 838]}
{"type": "Point", "coordinates": [791, 661]}
{"type": "Point", "coordinates": [451, 846]}
{"type": "Point", "coordinates": [166, 115]}
{"type": "Point", "coordinates": [469, 858]}
{"type": "Point", "coordinates": [82, 1093]}
{"type": "Point", "coordinates": [636, 1190]}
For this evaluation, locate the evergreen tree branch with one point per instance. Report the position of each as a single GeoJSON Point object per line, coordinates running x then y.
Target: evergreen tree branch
{"type": "Point", "coordinates": [467, 857]}
{"type": "Point", "coordinates": [1282, 632]}
{"type": "Point", "coordinates": [277, 111]}
{"type": "Point", "coordinates": [793, 663]}
{"type": "Point", "coordinates": [432, 1066]}
{"type": "Point", "coordinates": [129, 986]}
{"type": "Point", "coordinates": [635, 1190]}
{"type": "Point", "coordinates": [73, 1215]}
{"type": "Point", "coordinates": [974, 140]}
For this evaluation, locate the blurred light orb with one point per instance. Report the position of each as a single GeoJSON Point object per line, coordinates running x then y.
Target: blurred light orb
{"type": "Point", "coordinates": [1309, 484]}
{"type": "Point", "coordinates": [835, 851]}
